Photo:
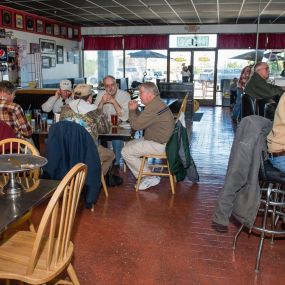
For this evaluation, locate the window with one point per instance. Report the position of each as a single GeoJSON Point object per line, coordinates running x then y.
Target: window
{"type": "Point", "coordinates": [98, 64]}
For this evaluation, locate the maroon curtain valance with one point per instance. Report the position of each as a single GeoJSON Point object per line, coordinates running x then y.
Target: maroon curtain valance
{"type": "Point", "coordinates": [146, 42]}
{"type": "Point", "coordinates": [276, 41]}
{"type": "Point", "coordinates": [236, 41]}
{"type": "Point", "coordinates": [102, 43]}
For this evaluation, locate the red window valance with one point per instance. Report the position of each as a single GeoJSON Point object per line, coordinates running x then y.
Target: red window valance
{"type": "Point", "coordinates": [102, 43]}
{"type": "Point", "coordinates": [236, 41]}
{"type": "Point", "coordinates": [276, 41]}
{"type": "Point", "coordinates": [146, 42]}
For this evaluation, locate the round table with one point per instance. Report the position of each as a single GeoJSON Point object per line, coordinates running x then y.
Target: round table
{"type": "Point", "coordinates": [12, 164]}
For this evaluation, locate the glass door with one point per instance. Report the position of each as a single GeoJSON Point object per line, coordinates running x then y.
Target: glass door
{"type": "Point", "coordinates": [179, 60]}
{"type": "Point", "coordinates": [201, 64]}
{"type": "Point", "coordinates": [204, 71]}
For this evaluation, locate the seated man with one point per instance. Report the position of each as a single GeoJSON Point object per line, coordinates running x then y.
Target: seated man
{"type": "Point", "coordinates": [82, 111]}
{"type": "Point", "coordinates": [276, 137]}
{"type": "Point", "coordinates": [114, 101]}
{"type": "Point", "coordinates": [11, 113]}
{"type": "Point", "coordinates": [258, 87]}
{"type": "Point", "coordinates": [158, 124]}
{"type": "Point", "coordinates": [61, 97]}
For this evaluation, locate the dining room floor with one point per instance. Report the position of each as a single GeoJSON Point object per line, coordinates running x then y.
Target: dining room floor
{"type": "Point", "coordinates": [155, 238]}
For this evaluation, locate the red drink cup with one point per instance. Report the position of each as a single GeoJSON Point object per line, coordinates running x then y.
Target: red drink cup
{"type": "Point", "coordinates": [114, 120]}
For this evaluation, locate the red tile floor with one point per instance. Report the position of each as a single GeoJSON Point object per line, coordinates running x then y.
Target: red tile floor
{"type": "Point", "coordinates": [154, 238]}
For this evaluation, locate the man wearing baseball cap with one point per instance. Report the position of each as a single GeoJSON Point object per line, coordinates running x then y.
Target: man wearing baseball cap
{"type": "Point", "coordinates": [82, 111]}
{"type": "Point", "coordinates": [61, 97]}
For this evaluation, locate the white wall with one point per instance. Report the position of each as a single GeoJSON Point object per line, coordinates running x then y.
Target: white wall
{"type": "Point", "coordinates": [183, 29]}
{"type": "Point", "coordinates": [65, 70]}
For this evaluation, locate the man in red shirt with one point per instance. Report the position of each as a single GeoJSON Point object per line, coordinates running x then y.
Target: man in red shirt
{"type": "Point", "coordinates": [11, 113]}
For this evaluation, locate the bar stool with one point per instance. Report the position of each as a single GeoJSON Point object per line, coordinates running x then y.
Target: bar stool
{"type": "Point", "coordinates": [272, 206]}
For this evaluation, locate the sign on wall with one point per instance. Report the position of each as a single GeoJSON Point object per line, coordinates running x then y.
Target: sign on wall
{"type": "Point", "coordinates": [192, 41]}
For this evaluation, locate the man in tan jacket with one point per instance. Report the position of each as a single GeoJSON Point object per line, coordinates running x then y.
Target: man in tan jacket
{"type": "Point", "coordinates": [158, 124]}
{"type": "Point", "coordinates": [276, 137]}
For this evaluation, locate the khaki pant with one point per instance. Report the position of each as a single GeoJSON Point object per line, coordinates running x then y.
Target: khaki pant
{"type": "Point", "coordinates": [106, 156]}
{"type": "Point", "coordinates": [135, 149]}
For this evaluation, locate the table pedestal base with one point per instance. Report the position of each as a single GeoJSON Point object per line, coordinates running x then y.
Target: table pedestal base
{"type": "Point", "coordinates": [13, 188]}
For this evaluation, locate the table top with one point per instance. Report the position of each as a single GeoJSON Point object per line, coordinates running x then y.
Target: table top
{"type": "Point", "coordinates": [14, 208]}
{"type": "Point", "coordinates": [11, 163]}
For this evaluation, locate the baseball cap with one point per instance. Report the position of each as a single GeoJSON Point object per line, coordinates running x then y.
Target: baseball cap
{"type": "Point", "coordinates": [83, 90]}
{"type": "Point", "coordinates": [65, 85]}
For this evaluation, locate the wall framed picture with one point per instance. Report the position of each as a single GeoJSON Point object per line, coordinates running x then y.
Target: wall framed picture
{"type": "Point", "coordinates": [6, 18]}
{"type": "Point", "coordinates": [53, 62]}
{"type": "Point", "coordinates": [47, 46]}
{"type": "Point", "coordinates": [56, 30]}
{"type": "Point", "coordinates": [46, 62]}
{"type": "Point", "coordinates": [29, 23]}
{"type": "Point", "coordinates": [75, 32]}
{"type": "Point", "coordinates": [63, 31]}
{"type": "Point", "coordinates": [19, 21]}
{"type": "Point", "coordinates": [48, 28]}
{"type": "Point", "coordinates": [40, 26]}
{"type": "Point", "coordinates": [34, 48]}
{"type": "Point", "coordinates": [59, 54]}
{"type": "Point", "coordinates": [69, 33]}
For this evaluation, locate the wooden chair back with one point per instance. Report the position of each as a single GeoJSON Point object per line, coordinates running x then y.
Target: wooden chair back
{"type": "Point", "coordinates": [183, 106]}
{"type": "Point", "coordinates": [52, 245]}
{"type": "Point", "coordinates": [20, 146]}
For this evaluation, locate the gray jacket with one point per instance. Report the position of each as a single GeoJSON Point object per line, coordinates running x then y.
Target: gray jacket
{"type": "Point", "coordinates": [240, 195]}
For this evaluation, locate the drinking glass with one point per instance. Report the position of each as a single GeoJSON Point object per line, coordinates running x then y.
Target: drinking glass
{"type": "Point", "coordinates": [114, 120]}
{"type": "Point", "coordinates": [44, 118]}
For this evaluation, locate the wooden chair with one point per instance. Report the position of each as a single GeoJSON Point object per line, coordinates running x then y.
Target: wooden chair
{"type": "Point", "coordinates": [164, 170]}
{"type": "Point", "coordinates": [182, 107]}
{"type": "Point", "coordinates": [37, 258]}
{"type": "Point", "coordinates": [30, 179]}
{"type": "Point", "coordinates": [164, 166]}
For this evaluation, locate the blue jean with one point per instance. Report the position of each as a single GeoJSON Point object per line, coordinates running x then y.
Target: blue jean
{"type": "Point", "coordinates": [278, 162]}
{"type": "Point", "coordinates": [117, 148]}
{"type": "Point", "coordinates": [237, 108]}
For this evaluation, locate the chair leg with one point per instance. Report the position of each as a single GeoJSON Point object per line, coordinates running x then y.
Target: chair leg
{"type": "Point", "coordinates": [260, 246]}
{"type": "Point", "coordinates": [31, 225]}
{"type": "Point", "coordinates": [72, 275]}
{"type": "Point", "coordinates": [140, 173]}
{"type": "Point", "coordinates": [104, 185]}
{"type": "Point", "coordinates": [171, 179]}
{"type": "Point", "coordinates": [236, 236]}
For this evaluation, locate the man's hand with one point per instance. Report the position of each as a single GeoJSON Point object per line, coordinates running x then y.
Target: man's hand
{"type": "Point", "coordinates": [133, 105]}
{"type": "Point", "coordinates": [106, 98]}
{"type": "Point", "coordinates": [57, 93]}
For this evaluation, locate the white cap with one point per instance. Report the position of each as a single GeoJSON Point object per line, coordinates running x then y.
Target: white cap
{"type": "Point", "coordinates": [65, 85]}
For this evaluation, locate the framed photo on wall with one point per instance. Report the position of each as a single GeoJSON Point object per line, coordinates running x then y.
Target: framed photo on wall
{"type": "Point", "coordinates": [53, 62]}
{"type": "Point", "coordinates": [75, 32]}
{"type": "Point", "coordinates": [59, 54]}
{"type": "Point", "coordinates": [30, 23]}
{"type": "Point", "coordinates": [6, 18]}
{"type": "Point", "coordinates": [48, 28]}
{"type": "Point", "coordinates": [46, 62]}
{"type": "Point", "coordinates": [69, 33]}
{"type": "Point", "coordinates": [19, 21]}
{"type": "Point", "coordinates": [56, 30]}
{"type": "Point", "coordinates": [34, 48]}
{"type": "Point", "coordinates": [47, 46]}
{"type": "Point", "coordinates": [63, 31]}
{"type": "Point", "coordinates": [40, 26]}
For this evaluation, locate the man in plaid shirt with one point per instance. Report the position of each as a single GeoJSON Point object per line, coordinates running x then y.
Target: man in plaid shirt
{"type": "Point", "coordinates": [12, 113]}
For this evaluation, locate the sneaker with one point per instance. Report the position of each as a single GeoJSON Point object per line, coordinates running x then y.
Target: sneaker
{"type": "Point", "coordinates": [148, 182]}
